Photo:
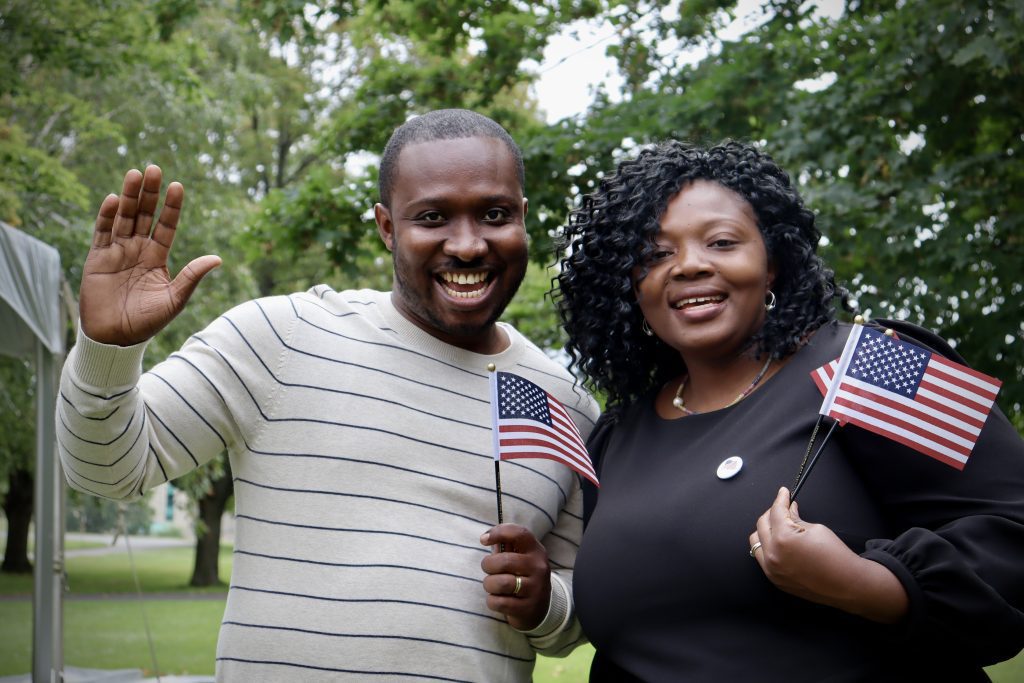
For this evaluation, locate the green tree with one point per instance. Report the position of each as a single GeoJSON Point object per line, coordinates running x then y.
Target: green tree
{"type": "Point", "coordinates": [392, 60]}
{"type": "Point", "coordinates": [17, 456]}
{"type": "Point", "coordinates": [900, 121]}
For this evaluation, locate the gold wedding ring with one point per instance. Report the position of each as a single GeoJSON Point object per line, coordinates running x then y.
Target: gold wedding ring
{"type": "Point", "coordinates": [519, 585]}
{"type": "Point", "coordinates": [754, 548]}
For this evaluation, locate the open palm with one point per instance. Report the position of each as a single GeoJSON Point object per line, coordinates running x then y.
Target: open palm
{"type": "Point", "coordinates": [127, 294]}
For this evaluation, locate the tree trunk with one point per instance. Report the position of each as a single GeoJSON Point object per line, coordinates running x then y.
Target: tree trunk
{"type": "Point", "coordinates": [18, 508]}
{"type": "Point", "coordinates": [206, 571]}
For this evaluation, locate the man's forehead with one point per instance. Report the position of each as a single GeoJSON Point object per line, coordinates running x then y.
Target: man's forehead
{"type": "Point", "coordinates": [439, 149]}
{"type": "Point", "coordinates": [483, 165]}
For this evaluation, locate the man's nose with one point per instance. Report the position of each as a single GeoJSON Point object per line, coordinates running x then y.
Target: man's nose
{"type": "Point", "coordinates": [466, 241]}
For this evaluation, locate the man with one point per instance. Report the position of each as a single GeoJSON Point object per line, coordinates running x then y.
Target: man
{"type": "Point", "coordinates": [358, 427]}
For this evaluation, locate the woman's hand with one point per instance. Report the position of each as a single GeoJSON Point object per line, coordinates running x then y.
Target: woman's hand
{"type": "Point", "coordinates": [518, 581]}
{"type": "Point", "coordinates": [811, 562]}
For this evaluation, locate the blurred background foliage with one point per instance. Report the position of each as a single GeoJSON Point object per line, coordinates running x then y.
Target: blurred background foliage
{"type": "Point", "coordinates": [902, 122]}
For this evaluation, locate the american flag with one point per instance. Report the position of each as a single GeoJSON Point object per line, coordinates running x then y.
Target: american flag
{"type": "Point", "coordinates": [907, 394]}
{"type": "Point", "coordinates": [531, 423]}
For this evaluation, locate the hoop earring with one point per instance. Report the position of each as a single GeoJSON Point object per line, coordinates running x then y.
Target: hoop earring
{"type": "Point", "coordinates": [770, 304]}
{"type": "Point", "coordinates": [647, 328]}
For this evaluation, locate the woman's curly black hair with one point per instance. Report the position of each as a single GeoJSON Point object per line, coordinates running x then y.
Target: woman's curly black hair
{"type": "Point", "coordinates": [613, 232]}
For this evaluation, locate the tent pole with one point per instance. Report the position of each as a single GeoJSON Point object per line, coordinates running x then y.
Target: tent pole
{"type": "Point", "coordinates": [48, 573]}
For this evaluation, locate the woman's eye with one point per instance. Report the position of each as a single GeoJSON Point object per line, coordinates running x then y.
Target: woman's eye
{"type": "Point", "coordinates": [723, 243]}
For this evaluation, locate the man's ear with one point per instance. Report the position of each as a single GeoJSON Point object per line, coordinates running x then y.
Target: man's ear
{"type": "Point", "coordinates": [385, 226]}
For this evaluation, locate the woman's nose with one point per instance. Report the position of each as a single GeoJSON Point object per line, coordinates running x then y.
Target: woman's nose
{"type": "Point", "coordinates": [691, 262]}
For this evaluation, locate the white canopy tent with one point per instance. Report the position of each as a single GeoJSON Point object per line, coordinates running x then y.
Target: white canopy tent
{"type": "Point", "coordinates": [32, 327]}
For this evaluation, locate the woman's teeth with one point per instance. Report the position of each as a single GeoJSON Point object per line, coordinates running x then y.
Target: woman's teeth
{"type": "Point", "coordinates": [697, 301]}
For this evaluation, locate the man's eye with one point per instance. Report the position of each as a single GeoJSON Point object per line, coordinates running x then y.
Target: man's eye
{"type": "Point", "coordinates": [431, 217]}
{"type": "Point", "coordinates": [496, 216]}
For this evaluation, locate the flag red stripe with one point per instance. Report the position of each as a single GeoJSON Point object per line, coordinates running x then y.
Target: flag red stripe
{"type": "Point", "coordinates": [547, 456]}
{"type": "Point", "coordinates": [992, 381]}
{"type": "Point", "coordinates": [952, 396]}
{"type": "Point", "coordinates": [910, 443]}
{"type": "Point", "coordinates": [822, 387]}
{"type": "Point", "coordinates": [946, 409]}
{"type": "Point", "coordinates": [562, 428]}
{"type": "Point", "coordinates": [969, 390]}
{"type": "Point", "coordinates": [925, 402]}
{"type": "Point", "coordinates": [536, 443]}
{"type": "Point", "coordinates": [573, 446]}
{"type": "Point", "coordinates": [524, 441]}
{"type": "Point", "coordinates": [561, 417]}
{"type": "Point", "coordinates": [894, 420]}
{"type": "Point", "coordinates": [904, 408]}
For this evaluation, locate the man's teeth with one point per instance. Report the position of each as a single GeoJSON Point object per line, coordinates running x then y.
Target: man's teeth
{"type": "Point", "coordinates": [464, 278]}
{"type": "Point", "coordinates": [697, 300]}
{"type": "Point", "coordinates": [475, 294]}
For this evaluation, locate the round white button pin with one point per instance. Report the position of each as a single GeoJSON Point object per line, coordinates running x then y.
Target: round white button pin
{"type": "Point", "coordinates": [730, 467]}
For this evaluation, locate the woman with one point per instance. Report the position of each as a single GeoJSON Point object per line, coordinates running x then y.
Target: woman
{"type": "Point", "coordinates": [694, 299]}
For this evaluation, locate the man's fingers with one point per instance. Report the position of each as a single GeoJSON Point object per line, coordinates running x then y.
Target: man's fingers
{"type": "Point", "coordinates": [147, 200]}
{"type": "Point", "coordinates": [105, 221]}
{"type": "Point", "coordinates": [124, 221]}
{"type": "Point", "coordinates": [515, 537]}
{"type": "Point", "coordinates": [163, 234]}
{"type": "Point", "coordinates": [188, 279]}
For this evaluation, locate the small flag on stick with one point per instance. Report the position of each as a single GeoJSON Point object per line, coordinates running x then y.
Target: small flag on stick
{"type": "Point", "coordinates": [528, 422]}
{"type": "Point", "coordinates": [908, 394]}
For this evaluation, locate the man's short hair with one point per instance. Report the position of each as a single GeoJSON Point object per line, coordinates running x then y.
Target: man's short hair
{"type": "Point", "coordinates": [441, 124]}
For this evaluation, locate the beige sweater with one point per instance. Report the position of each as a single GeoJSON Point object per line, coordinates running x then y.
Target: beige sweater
{"type": "Point", "coordinates": [361, 451]}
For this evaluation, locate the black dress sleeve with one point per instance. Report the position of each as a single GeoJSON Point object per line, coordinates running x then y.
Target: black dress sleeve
{"type": "Point", "coordinates": [956, 537]}
{"type": "Point", "coordinates": [597, 444]}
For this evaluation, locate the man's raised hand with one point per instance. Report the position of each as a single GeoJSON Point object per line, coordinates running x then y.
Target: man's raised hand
{"type": "Point", "coordinates": [127, 295]}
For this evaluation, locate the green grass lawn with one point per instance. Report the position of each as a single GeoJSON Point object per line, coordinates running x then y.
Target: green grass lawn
{"type": "Point", "coordinates": [110, 634]}
{"type": "Point", "coordinates": [163, 570]}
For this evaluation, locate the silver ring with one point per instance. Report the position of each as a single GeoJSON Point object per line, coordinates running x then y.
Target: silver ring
{"type": "Point", "coordinates": [519, 585]}
{"type": "Point", "coordinates": [754, 548]}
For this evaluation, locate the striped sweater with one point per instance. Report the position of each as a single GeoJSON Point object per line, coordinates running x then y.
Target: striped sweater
{"type": "Point", "coordinates": [361, 453]}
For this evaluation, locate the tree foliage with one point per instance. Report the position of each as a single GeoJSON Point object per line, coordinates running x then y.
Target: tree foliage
{"type": "Point", "coordinates": [902, 123]}
{"type": "Point", "coordinates": [900, 120]}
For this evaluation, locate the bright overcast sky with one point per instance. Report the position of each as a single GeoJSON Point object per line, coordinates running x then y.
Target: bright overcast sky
{"type": "Point", "coordinates": [575, 62]}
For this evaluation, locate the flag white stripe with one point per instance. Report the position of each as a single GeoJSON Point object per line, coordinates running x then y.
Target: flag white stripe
{"type": "Point", "coordinates": [569, 436]}
{"type": "Point", "coordinates": [895, 429]}
{"type": "Point", "coordinates": [573, 445]}
{"type": "Point", "coordinates": [574, 453]}
{"type": "Point", "coordinates": [925, 392]}
{"type": "Point", "coordinates": [509, 451]}
{"type": "Point", "coordinates": [922, 427]}
{"type": "Point", "coordinates": [562, 417]}
{"type": "Point", "coordinates": [941, 365]}
{"type": "Point", "coordinates": [960, 391]}
{"type": "Point", "coordinates": [945, 417]}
